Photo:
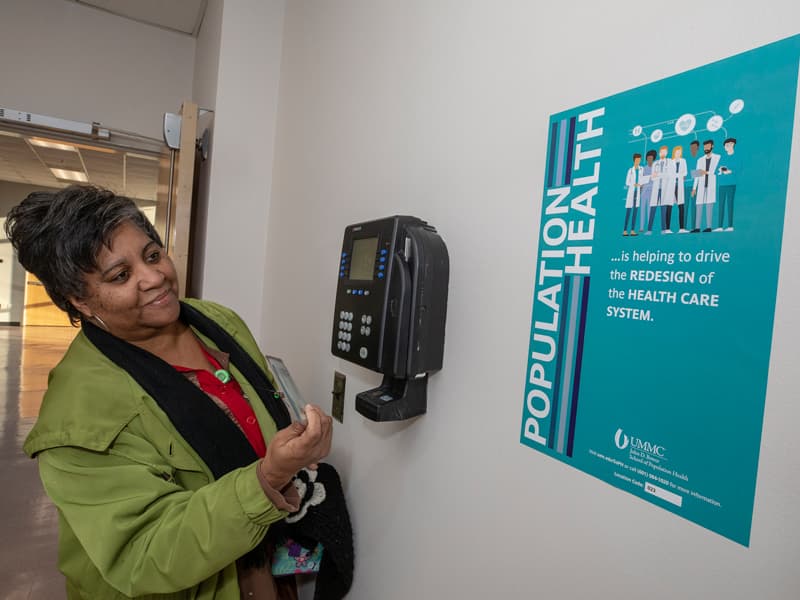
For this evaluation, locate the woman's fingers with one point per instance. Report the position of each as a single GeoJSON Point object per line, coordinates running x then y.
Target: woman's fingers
{"type": "Point", "coordinates": [318, 433]}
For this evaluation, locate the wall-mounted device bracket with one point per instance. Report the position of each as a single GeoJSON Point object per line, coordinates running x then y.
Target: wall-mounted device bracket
{"type": "Point", "coordinates": [395, 399]}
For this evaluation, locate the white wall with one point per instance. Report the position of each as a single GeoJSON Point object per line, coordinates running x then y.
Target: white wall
{"type": "Point", "coordinates": [206, 56]}
{"type": "Point", "coordinates": [240, 181]}
{"type": "Point", "coordinates": [74, 62]}
{"type": "Point", "coordinates": [440, 109]}
{"type": "Point", "coordinates": [204, 93]}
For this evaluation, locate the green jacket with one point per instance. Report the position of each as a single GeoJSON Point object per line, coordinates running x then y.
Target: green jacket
{"type": "Point", "coordinates": [140, 514]}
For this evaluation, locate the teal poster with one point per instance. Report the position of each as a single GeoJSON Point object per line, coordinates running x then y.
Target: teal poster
{"type": "Point", "coordinates": [655, 284]}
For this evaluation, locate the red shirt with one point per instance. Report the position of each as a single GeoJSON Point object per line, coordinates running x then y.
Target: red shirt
{"type": "Point", "coordinates": [231, 395]}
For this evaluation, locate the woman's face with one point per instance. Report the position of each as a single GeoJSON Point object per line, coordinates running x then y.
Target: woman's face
{"type": "Point", "coordinates": [135, 288]}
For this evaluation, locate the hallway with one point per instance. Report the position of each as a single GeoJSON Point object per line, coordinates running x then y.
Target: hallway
{"type": "Point", "coordinates": [29, 522]}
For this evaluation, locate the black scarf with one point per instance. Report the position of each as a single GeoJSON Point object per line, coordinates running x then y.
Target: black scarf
{"type": "Point", "coordinates": [195, 415]}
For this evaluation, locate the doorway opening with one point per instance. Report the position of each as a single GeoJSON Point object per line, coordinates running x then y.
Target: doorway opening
{"type": "Point", "coordinates": [35, 159]}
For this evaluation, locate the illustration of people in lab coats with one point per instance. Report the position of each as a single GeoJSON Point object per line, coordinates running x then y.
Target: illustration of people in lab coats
{"type": "Point", "coordinates": [676, 174]}
{"type": "Point", "coordinates": [634, 181]}
{"type": "Point", "coordinates": [658, 198]}
{"type": "Point", "coordinates": [647, 189]}
{"type": "Point", "coordinates": [704, 189]}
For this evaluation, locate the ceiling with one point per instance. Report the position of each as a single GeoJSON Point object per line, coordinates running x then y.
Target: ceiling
{"type": "Point", "coordinates": [184, 16]}
{"type": "Point", "coordinates": [40, 160]}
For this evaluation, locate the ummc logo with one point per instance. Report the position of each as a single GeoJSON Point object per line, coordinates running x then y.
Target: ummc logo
{"type": "Point", "coordinates": [622, 441]}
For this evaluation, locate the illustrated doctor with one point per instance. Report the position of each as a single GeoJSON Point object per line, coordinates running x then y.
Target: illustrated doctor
{"type": "Point", "coordinates": [729, 170]}
{"type": "Point", "coordinates": [675, 193]}
{"type": "Point", "coordinates": [705, 186]}
{"type": "Point", "coordinates": [694, 148]}
{"type": "Point", "coordinates": [634, 180]}
{"type": "Point", "coordinates": [647, 189]}
{"type": "Point", "coordinates": [659, 195]}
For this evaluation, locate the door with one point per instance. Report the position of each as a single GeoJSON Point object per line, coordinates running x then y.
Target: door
{"type": "Point", "coordinates": [158, 178]}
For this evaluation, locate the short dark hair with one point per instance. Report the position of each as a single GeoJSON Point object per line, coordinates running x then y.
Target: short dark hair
{"type": "Point", "coordinates": [652, 153]}
{"type": "Point", "coordinates": [637, 155]}
{"type": "Point", "coordinates": [709, 142]}
{"type": "Point", "coordinates": [58, 235]}
{"type": "Point", "coordinates": [695, 143]}
{"type": "Point", "coordinates": [729, 140]}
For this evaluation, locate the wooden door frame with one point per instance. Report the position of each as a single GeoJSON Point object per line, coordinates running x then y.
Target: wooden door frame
{"type": "Point", "coordinates": [179, 209]}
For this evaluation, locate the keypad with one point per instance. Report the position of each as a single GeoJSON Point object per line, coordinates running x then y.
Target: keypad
{"type": "Point", "coordinates": [345, 327]}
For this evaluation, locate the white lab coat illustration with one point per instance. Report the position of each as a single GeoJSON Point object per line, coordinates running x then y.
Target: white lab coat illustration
{"type": "Point", "coordinates": [706, 194]}
{"type": "Point", "coordinates": [660, 176]}
{"type": "Point", "coordinates": [677, 173]}
{"type": "Point", "coordinates": [634, 193]}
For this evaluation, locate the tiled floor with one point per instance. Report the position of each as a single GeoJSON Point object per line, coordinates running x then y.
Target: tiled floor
{"type": "Point", "coordinates": [28, 521]}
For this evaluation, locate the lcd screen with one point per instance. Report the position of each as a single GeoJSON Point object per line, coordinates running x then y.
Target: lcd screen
{"type": "Point", "coordinates": [362, 263]}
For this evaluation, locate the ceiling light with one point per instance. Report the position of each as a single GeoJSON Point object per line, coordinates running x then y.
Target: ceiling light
{"type": "Point", "coordinates": [142, 156]}
{"type": "Point", "coordinates": [70, 175]}
{"type": "Point", "coordinates": [10, 134]}
{"type": "Point", "coordinates": [52, 145]}
{"type": "Point", "coordinates": [96, 148]}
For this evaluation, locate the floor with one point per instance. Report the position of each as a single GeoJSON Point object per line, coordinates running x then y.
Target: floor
{"type": "Point", "coordinates": [28, 520]}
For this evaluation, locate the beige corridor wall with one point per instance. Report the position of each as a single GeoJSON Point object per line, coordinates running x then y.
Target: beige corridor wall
{"type": "Point", "coordinates": [74, 62]}
{"type": "Point", "coordinates": [440, 109]}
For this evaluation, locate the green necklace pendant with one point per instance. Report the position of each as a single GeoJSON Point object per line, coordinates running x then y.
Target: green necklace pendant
{"type": "Point", "coordinates": [222, 375]}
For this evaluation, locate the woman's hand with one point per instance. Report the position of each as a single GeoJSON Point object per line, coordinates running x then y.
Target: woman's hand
{"type": "Point", "coordinates": [297, 446]}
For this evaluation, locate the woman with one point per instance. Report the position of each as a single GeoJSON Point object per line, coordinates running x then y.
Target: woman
{"type": "Point", "coordinates": [675, 188]}
{"type": "Point", "coordinates": [647, 189]}
{"type": "Point", "coordinates": [160, 438]}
